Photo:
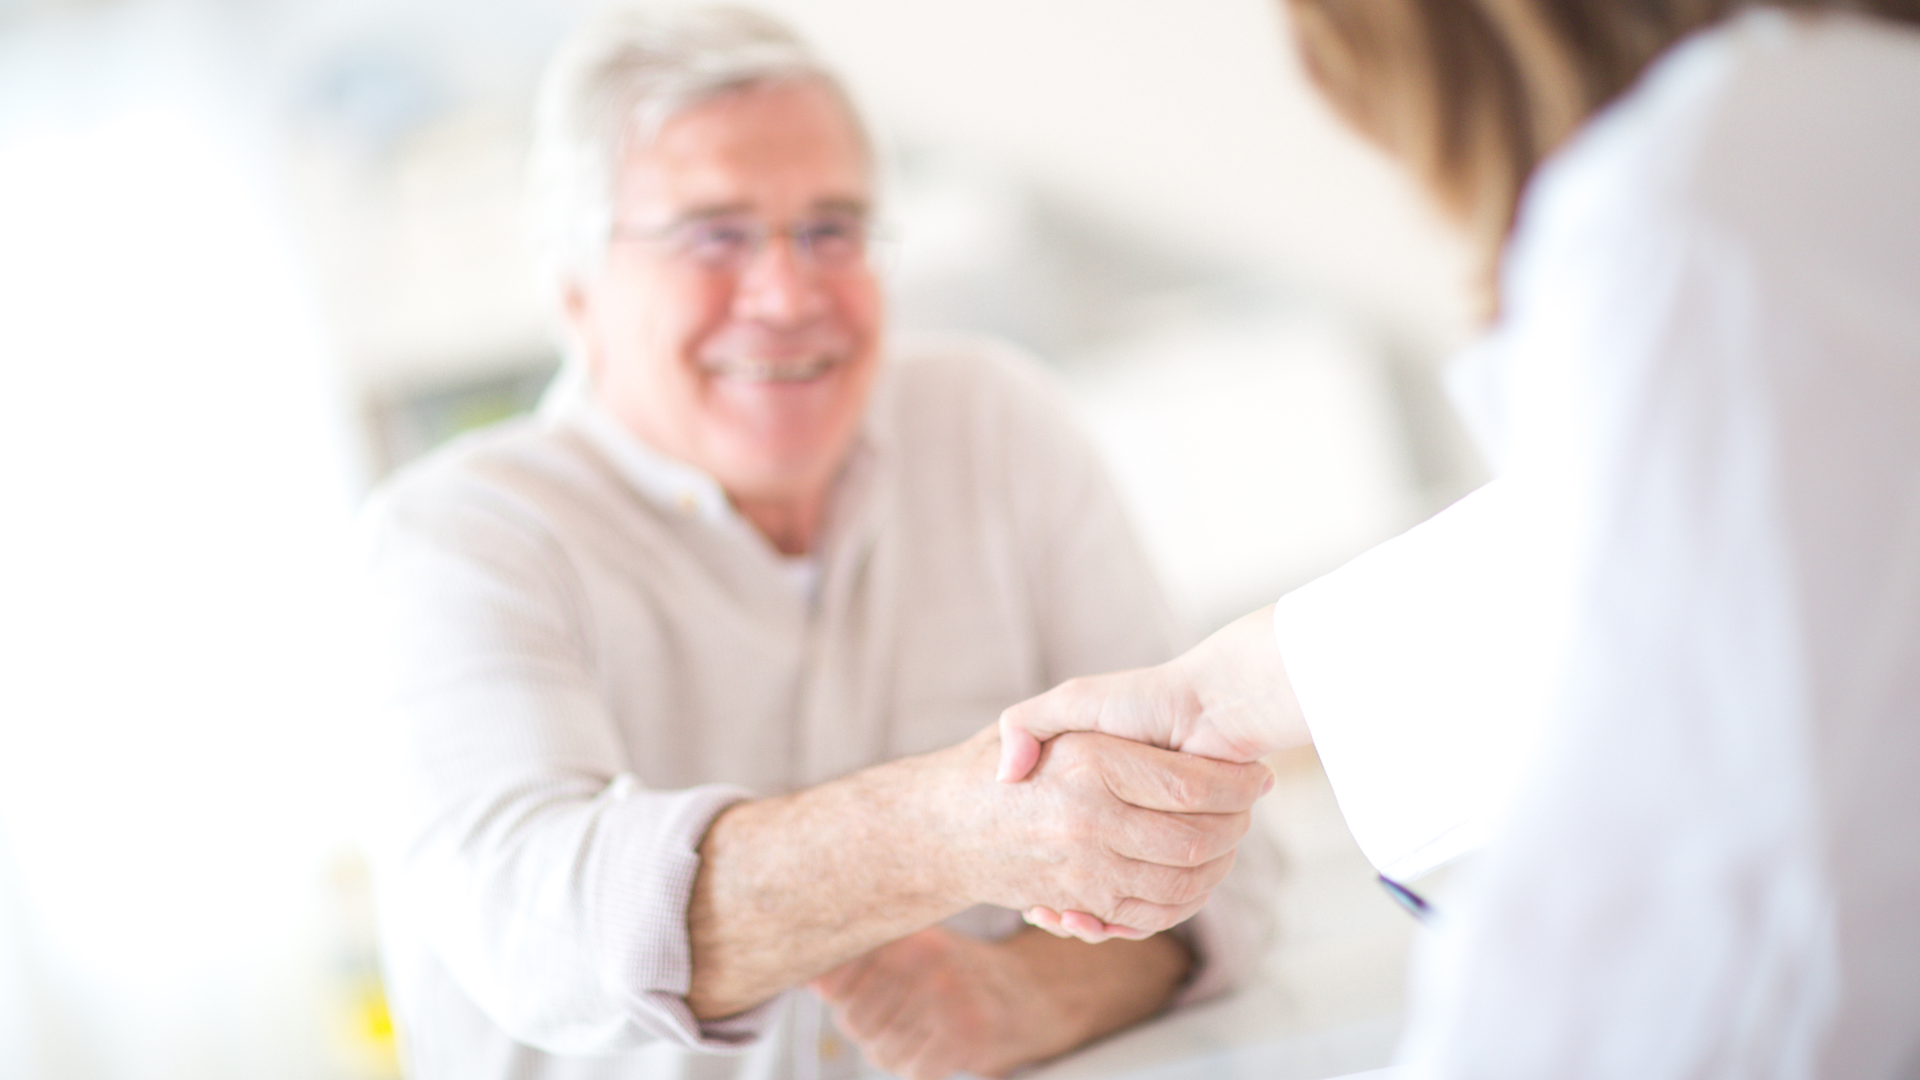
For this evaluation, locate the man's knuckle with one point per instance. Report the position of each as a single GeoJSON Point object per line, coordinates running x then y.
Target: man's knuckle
{"type": "Point", "coordinates": [1181, 789]}
{"type": "Point", "coordinates": [1081, 833]}
{"type": "Point", "coordinates": [1138, 914]}
{"type": "Point", "coordinates": [1194, 888]}
{"type": "Point", "coordinates": [1166, 888]}
{"type": "Point", "coordinates": [1220, 867]}
{"type": "Point", "coordinates": [1234, 826]}
{"type": "Point", "coordinates": [1096, 895]}
{"type": "Point", "coordinates": [1197, 850]}
{"type": "Point", "coordinates": [1201, 839]}
{"type": "Point", "coordinates": [1177, 886]}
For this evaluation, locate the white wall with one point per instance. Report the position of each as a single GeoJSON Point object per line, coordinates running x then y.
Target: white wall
{"type": "Point", "coordinates": [1190, 119]}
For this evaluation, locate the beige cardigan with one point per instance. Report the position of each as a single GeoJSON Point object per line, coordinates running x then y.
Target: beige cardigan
{"type": "Point", "coordinates": [591, 655]}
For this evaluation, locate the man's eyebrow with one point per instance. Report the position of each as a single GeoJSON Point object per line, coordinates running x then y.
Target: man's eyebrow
{"type": "Point", "coordinates": [856, 207]}
{"type": "Point", "coordinates": [716, 210]}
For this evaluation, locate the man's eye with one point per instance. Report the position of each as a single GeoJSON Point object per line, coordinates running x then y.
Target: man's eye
{"type": "Point", "coordinates": [831, 239]}
{"type": "Point", "coordinates": [717, 241]}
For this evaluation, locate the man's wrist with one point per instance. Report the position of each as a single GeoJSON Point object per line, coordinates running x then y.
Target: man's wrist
{"type": "Point", "coordinates": [782, 878]}
{"type": "Point", "coordinates": [934, 819]}
{"type": "Point", "coordinates": [913, 826]}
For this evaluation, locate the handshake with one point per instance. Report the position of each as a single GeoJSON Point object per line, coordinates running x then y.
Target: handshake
{"type": "Point", "coordinates": [1193, 730]}
{"type": "Point", "coordinates": [1099, 836]}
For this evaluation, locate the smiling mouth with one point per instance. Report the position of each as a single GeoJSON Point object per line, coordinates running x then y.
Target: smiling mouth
{"type": "Point", "coordinates": [760, 369]}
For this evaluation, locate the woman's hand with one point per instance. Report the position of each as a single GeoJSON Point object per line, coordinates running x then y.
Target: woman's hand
{"type": "Point", "coordinates": [1226, 698]}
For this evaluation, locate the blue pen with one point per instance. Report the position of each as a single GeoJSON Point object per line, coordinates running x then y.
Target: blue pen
{"type": "Point", "coordinates": [1407, 898]}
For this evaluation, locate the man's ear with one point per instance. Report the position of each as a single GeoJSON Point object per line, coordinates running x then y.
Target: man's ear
{"type": "Point", "coordinates": [576, 318]}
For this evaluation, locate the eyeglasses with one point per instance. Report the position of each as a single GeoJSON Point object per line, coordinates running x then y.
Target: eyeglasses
{"type": "Point", "coordinates": [827, 243]}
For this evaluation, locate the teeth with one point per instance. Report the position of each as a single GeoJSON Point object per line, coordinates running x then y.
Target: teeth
{"type": "Point", "coordinates": [755, 369]}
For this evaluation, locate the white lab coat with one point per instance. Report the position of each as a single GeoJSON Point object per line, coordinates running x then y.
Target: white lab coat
{"type": "Point", "coordinates": [1669, 662]}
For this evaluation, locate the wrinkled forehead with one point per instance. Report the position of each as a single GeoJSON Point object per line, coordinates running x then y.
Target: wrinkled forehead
{"type": "Point", "coordinates": [775, 148]}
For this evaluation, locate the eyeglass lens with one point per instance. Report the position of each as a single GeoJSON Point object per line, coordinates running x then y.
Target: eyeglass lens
{"type": "Point", "coordinates": [828, 242]}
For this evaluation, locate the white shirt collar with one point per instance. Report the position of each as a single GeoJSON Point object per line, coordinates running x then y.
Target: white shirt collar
{"type": "Point", "coordinates": [667, 483]}
{"type": "Point", "coordinates": [672, 485]}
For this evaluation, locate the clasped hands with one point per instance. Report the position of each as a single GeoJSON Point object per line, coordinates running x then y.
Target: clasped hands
{"type": "Point", "coordinates": [1131, 833]}
{"type": "Point", "coordinates": [1228, 698]}
{"type": "Point", "coordinates": [1137, 833]}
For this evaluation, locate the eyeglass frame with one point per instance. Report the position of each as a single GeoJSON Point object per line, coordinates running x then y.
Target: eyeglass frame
{"type": "Point", "coordinates": [759, 234]}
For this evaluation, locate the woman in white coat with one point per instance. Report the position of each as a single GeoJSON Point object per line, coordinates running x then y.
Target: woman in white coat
{"type": "Point", "coordinates": [1669, 662]}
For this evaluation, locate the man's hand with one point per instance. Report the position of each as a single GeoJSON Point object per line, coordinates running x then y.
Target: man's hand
{"type": "Point", "coordinates": [935, 1002]}
{"type": "Point", "coordinates": [1227, 698]}
{"type": "Point", "coordinates": [1132, 834]}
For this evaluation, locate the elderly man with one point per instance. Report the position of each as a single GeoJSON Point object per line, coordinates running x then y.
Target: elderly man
{"type": "Point", "coordinates": [695, 672]}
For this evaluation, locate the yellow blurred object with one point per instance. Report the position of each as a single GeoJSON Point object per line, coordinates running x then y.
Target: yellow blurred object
{"type": "Point", "coordinates": [361, 1025]}
{"type": "Point", "coordinates": [364, 1032]}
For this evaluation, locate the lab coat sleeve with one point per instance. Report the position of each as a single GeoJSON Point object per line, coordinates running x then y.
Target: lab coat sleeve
{"type": "Point", "coordinates": [1420, 668]}
{"type": "Point", "coordinates": [546, 879]}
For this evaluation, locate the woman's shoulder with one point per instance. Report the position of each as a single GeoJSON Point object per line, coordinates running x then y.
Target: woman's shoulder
{"type": "Point", "coordinates": [1792, 125]}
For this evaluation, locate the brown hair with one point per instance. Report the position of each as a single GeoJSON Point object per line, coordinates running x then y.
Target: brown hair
{"type": "Point", "coordinates": [1472, 94]}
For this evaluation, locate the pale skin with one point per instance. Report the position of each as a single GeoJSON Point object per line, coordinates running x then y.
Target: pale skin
{"type": "Point", "coordinates": [935, 1002]}
{"type": "Point", "coordinates": [1227, 698]}
{"type": "Point", "coordinates": [845, 877]}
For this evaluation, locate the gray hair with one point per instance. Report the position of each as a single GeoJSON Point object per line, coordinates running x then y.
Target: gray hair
{"type": "Point", "coordinates": [615, 83]}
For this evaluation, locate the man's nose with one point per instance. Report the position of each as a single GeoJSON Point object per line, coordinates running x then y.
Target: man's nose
{"type": "Point", "coordinates": [776, 286]}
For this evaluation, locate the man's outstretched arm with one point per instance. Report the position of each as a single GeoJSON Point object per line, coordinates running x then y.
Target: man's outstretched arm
{"type": "Point", "coordinates": [793, 886]}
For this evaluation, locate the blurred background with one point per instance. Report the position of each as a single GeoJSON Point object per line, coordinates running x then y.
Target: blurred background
{"type": "Point", "coordinates": [255, 254]}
